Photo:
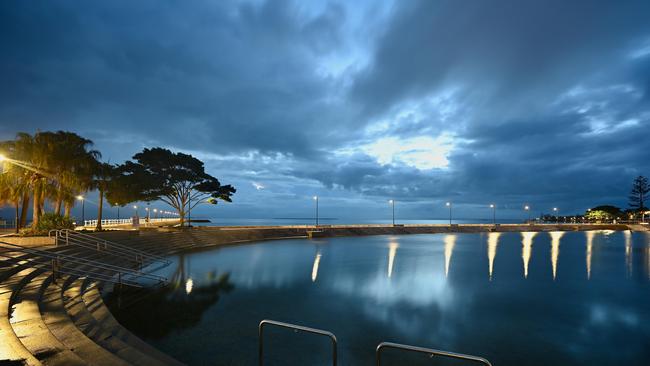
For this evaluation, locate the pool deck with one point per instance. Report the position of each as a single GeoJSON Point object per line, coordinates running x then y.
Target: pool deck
{"type": "Point", "coordinates": [45, 320]}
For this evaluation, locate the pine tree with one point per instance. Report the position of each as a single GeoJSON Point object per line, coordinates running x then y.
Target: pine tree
{"type": "Point", "coordinates": [640, 189]}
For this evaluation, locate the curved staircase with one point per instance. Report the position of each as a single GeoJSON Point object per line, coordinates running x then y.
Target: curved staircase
{"type": "Point", "coordinates": [61, 319]}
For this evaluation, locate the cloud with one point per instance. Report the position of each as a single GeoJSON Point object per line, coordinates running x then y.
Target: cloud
{"type": "Point", "coordinates": [421, 101]}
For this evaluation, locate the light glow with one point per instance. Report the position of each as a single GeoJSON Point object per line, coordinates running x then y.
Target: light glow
{"type": "Point", "coordinates": [392, 251]}
{"type": "Point", "coordinates": [555, 250]}
{"type": "Point", "coordinates": [80, 198]}
{"type": "Point", "coordinates": [2, 157]}
{"type": "Point", "coordinates": [422, 152]}
{"type": "Point", "coordinates": [628, 251]}
{"type": "Point", "coordinates": [590, 244]}
{"type": "Point", "coordinates": [314, 269]}
{"type": "Point", "coordinates": [493, 242]}
{"type": "Point", "coordinates": [527, 249]}
{"type": "Point", "coordinates": [450, 243]}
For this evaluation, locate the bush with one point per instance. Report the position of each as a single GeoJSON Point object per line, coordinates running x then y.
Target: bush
{"type": "Point", "coordinates": [47, 222]}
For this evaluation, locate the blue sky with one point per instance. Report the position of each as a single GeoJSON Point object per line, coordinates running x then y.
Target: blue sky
{"type": "Point", "coordinates": [474, 102]}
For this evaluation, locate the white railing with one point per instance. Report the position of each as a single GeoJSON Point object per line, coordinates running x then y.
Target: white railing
{"type": "Point", "coordinates": [112, 222]}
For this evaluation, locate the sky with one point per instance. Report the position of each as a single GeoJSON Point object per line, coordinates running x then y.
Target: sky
{"type": "Point", "coordinates": [545, 103]}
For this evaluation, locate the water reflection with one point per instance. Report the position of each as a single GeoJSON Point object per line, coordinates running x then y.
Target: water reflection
{"type": "Point", "coordinates": [555, 250]}
{"type": "Point", "coordinates": [392, 250]}
{"type": "Point", "coordinates": [493, 242]}
{"type": "Point", "coordinates": [527, 248]}
{"type": "Point", "coordinates": [357, 300]}
{"type": "Point", "coordinates": [590, 244]}
{"type": "Point", "coordinates": [628, 251]}
{"type": "Point", "coordinates": [450, 242]}
{"type": "Point", "coordinates": [179, 305]}
{"type": "Point", "coordinates": [647, 254]}
{"type": "Point", "coordinates": [314, 269]}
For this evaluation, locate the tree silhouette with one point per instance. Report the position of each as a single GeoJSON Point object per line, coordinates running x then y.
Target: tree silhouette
{"type": "Point", "coordinates": [177, 179]}
{"type": "Point", "coordinates": [640, 189]}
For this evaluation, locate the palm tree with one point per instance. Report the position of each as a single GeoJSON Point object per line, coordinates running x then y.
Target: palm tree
{"type": "Point", "coordinates": [103, 176]}
{"type": "Point", "coordinates": [11, 191]}
{"type": "Point", "coordinates": [61, 166]}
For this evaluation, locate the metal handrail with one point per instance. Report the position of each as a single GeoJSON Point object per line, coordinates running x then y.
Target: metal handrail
{"type": "Point", "coordinates": [429, 351]}
{"type": "Point", "coordinates": [75, 272]}
{"type": "Point", "coordinates": [86, 239]}
{"type": "Point", "coordinates": [82, 261]}
{"type": "Point", "coordinates": [98, 246]}
{"type": "Point", "coordinates": [44, 258]}
{"type": "Point", "coordinates": [295, 327]}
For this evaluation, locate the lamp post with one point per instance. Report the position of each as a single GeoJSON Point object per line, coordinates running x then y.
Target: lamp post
{"type": "Point", "coordinates": [83, 210]}
{"type": "Point", "coordinates": [316, 199]}
{"type": "Point", "coordinates": [147, 210]}
{"type": "Point", "coordinates": [494, 213]}
{"type": "Point", "coordinates": [527, 209]}
{"type": "Point", "coordinates": [555, 212]}
{"type": "Point", "coordinates": [118, 210]}
{"type": "Point", "coordinates": [155, 213]}
{"type": "Point", "coordinates": [392, 203]}
{"type": "Point", "coordinates": [136, 210]}
{"type": "Point", "coordinates": [448, 204]}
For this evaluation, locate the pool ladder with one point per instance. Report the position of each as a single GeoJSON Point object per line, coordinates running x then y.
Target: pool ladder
{"type": "Point", "coordinates": [380, 347]}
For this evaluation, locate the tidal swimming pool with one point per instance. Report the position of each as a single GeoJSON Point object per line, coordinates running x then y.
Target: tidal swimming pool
{"type": "Point", "coordinates": [574, 298]}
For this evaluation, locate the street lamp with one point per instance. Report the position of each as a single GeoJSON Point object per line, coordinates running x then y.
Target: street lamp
{"type": "Point", "coordinates": [392, 203]}
{"type": "Point", "coordinates": [136, 210]}
{"type": "Point", "coordinates": [555, 212]}
{"type": "Point", "coordinates": [494, 213]}
{"type": "Point", "coordinates": [527, 209]}
{"type": "Point", "coordinates": [155, 213]}
{"type": "Point", "coordinates": [316, 199]}
{"type": "Point", "coordinates": [83, 209]}
{"type": "Point", "coordinates": [448, 204]}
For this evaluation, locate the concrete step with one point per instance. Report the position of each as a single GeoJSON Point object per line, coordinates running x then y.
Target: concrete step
{"type": "Point", "coordinates": [32, 331]}
{"type": "Point", "coordinates": [11, 348]}
{"type": "Point", "coordinates": [56, 317]}
{"type": "Point", "coordinates": [105, 334]}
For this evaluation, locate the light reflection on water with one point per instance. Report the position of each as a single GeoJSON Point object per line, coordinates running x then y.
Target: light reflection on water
{"type": "Point", "coordinates": [527, 248]}
{"type": "Point", "coordinates": [406, 289]}
{"type": "Point", "coordinates": [590, 245]}
{"type": "Point", "coordinates": [450, 242]}
{"type": "Point", "coordinates": [556, 236]}
{"type": "Point", "coordinates": [493, 242]}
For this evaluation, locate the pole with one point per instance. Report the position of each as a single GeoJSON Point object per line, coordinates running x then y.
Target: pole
{"type": "Point", "coordinates": [393, 202]}
{"type": "Point", "coordinates": [189, 209]}
{"type": "Point", "coordinates": [83, 212]}
{"type": "Point", "coordinates": [494, 214]}
{"type": "Point", "coordinates": [450, 214]}
{"type": "Point", "coordinates": [316, 210]}
{"type": "Point", "coordinates": [118, 212]}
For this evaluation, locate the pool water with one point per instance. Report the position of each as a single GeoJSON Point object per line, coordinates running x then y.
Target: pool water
{"type": "Point", "coordinates": [574, 298]}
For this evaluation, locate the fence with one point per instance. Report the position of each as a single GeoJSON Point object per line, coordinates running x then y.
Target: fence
{"type": "Point", "coordinates": [113, 222]}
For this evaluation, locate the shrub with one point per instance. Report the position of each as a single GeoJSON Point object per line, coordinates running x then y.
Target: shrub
{"type": "Point", "coordinates": [47, 222]}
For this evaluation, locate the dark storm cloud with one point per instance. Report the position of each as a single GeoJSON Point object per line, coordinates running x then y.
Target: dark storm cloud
{"type": "Point", "coordinates": [217, 76]}
{"type": "Point", "coordinates": [502, 48]}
